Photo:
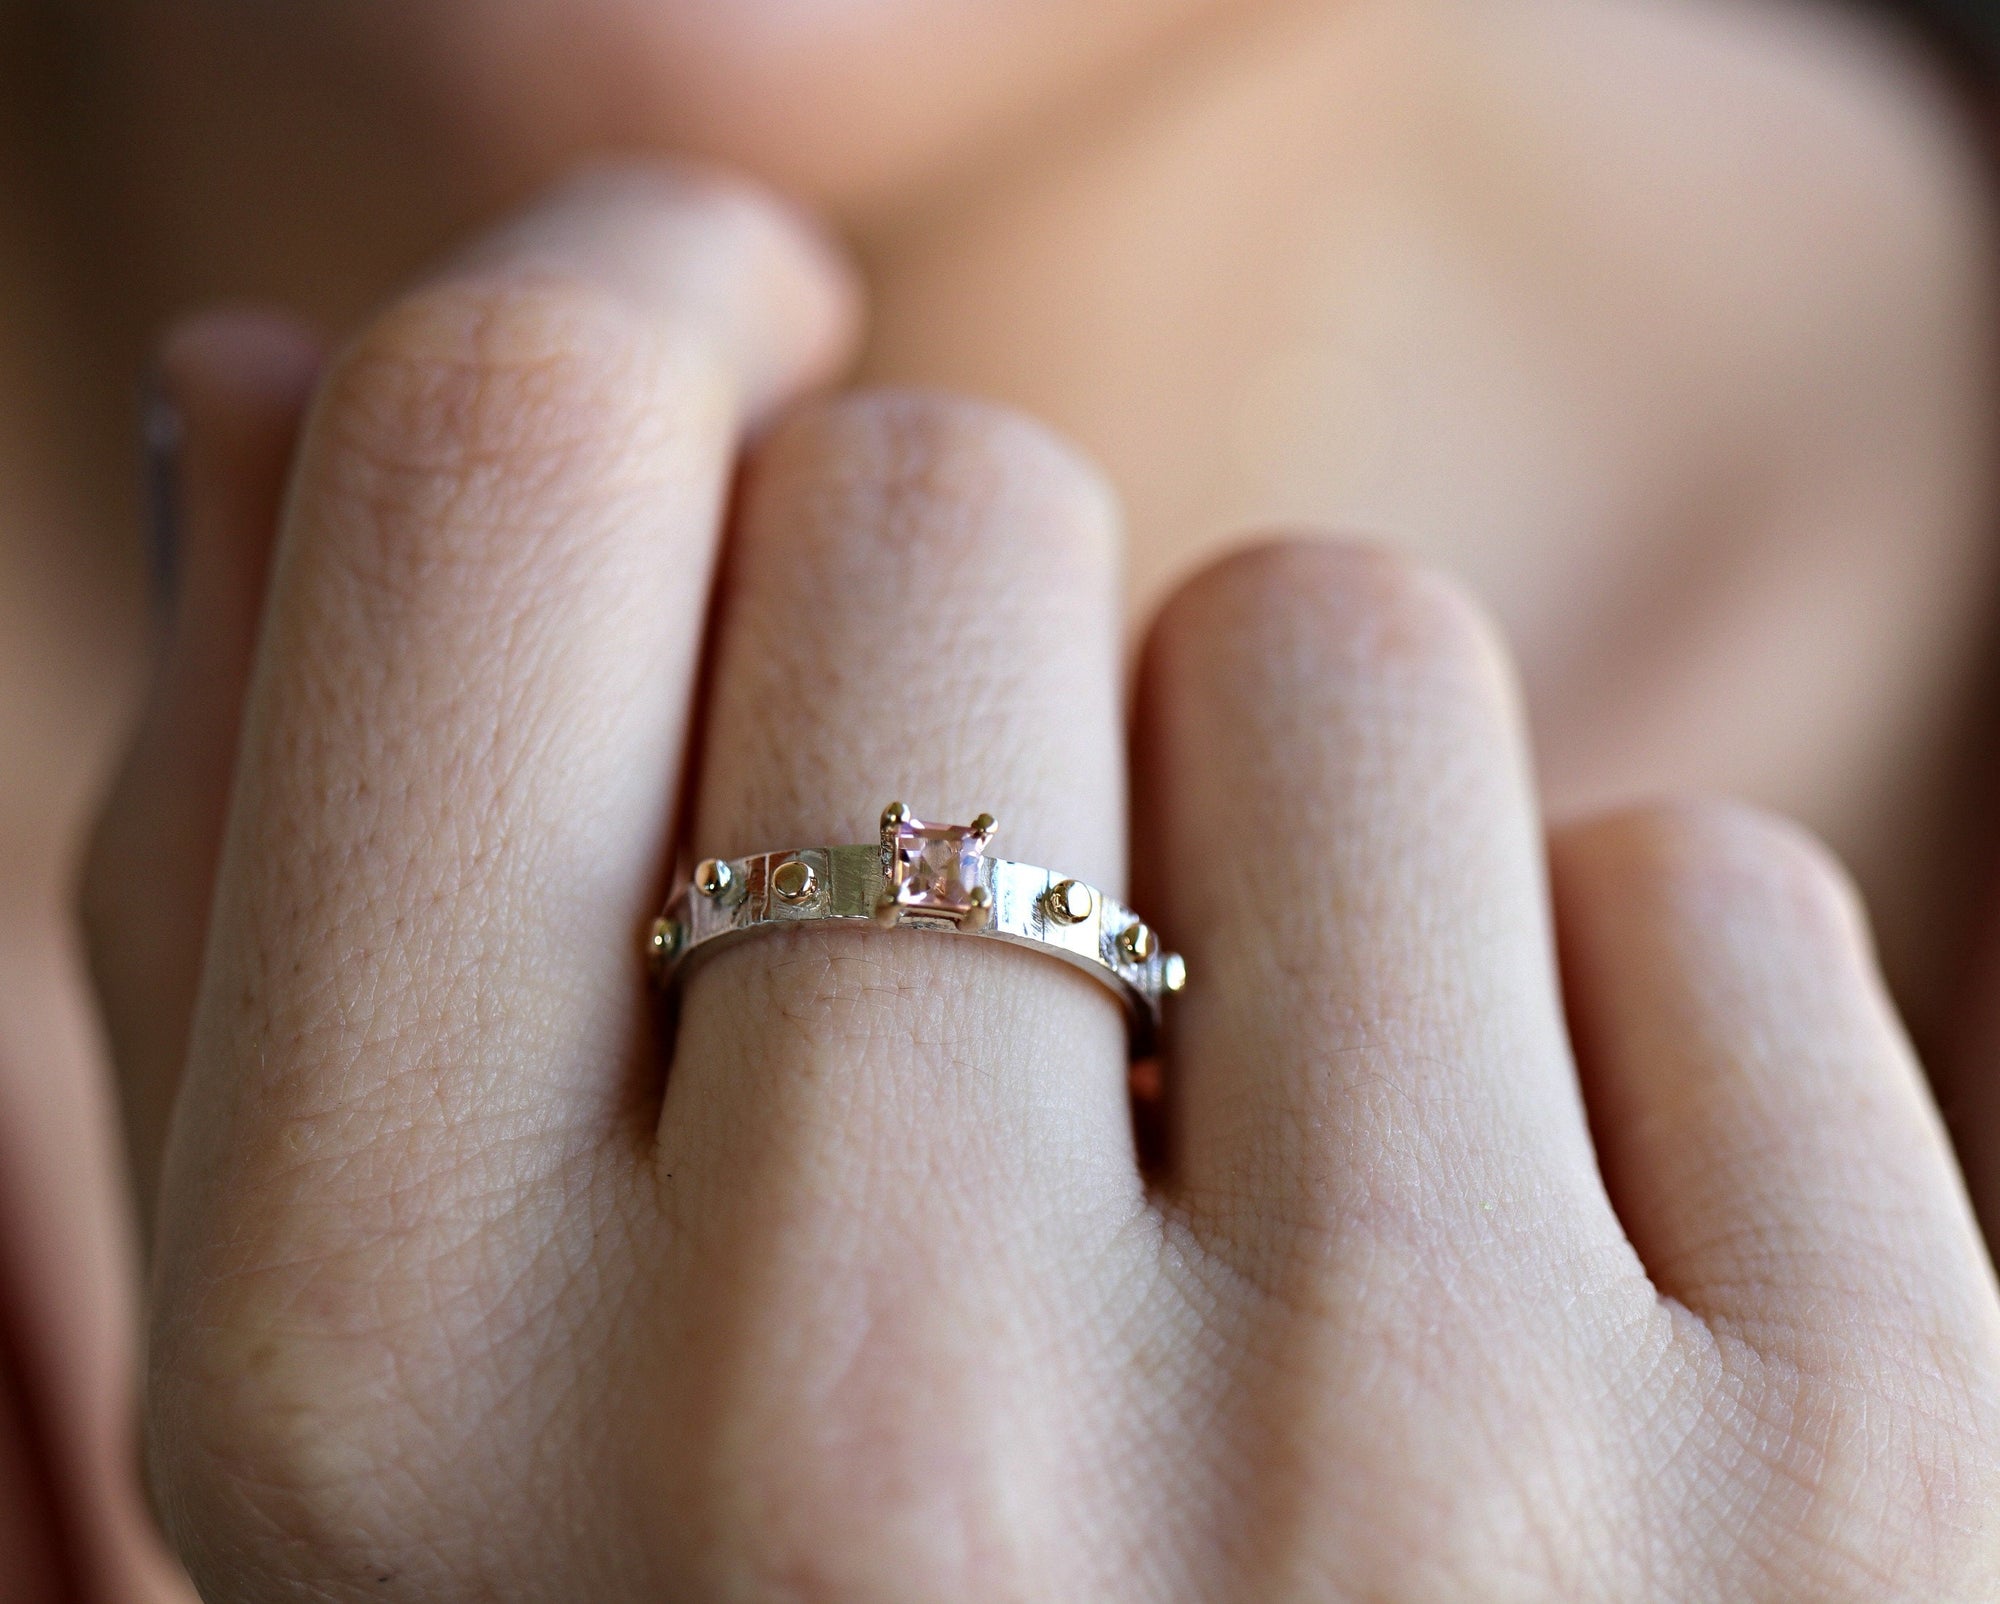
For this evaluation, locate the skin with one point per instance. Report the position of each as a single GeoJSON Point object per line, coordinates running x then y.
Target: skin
{"type": "Point", "coordinates": [1634, 315]}
{"type": "Point", "coordinates": [1667, 324]}
{"type": "Point", "coordinates": [1533, 1222]}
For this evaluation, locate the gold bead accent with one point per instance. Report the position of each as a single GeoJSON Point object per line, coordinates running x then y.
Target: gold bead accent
{"type": "Point", "coordinates": [794, 881]}
{"type": "Point", "coordinates": [663, 942]}
{"type": "Point", "coordinates": [1069, 902]}
{"type": "Point", "coordinates": [1136, 942]}
{"type": "Point", "coordinates": [1175, 978]}
{"type": "Point", "coordinates": [713, 878]}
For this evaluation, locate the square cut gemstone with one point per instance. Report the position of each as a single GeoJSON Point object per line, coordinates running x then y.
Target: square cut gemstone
{"type": "Point", "coordinates": [937, 865]}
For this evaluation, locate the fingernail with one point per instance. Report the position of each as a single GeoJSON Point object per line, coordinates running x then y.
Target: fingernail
{"type": "Point", "coordinates": [160, 436]}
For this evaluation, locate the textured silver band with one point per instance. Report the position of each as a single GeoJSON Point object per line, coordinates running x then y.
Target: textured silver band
{"type": "Point", "coordinates": [991, 899]}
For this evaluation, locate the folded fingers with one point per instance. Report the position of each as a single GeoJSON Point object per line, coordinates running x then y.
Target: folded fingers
{"type": "Point", "coordinates": [1668, 1251]}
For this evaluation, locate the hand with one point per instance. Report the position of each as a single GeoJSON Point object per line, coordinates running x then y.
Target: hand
{"type": "Point", "coordinates": [1460, 1281]}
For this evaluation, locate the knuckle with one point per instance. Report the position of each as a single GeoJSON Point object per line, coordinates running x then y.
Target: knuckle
{"type": "Point", "coordinates": [888, 1495]}
{"type": "Point", "coordinates": [807, 1529]}
{"type": "Point", "coordinates": [249, 1461]}
{"type": "Point", "coordinates": [485, 367]}
{"type": "Point", "coordinates": [1304, 610]}
{"type": "Point", "coordinates": [302, 1390]}
{"type": "Point", "coordinates": [1701, 852]}
{"type": "Point", "coordinates": [941, 478]}
{"type": "Point", "coordinates": [1887, 1489]}
{"type": "Point", "coordinates": [477, 398]}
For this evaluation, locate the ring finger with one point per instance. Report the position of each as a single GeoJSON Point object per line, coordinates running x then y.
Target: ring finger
{"type": "Point", "coordinates": [921, 604]}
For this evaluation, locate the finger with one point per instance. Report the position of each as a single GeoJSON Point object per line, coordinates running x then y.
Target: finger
{"type": "Point", "coordinates": [1967, 1077]}
{"type": "Point", "coordinates": [1763, 1128]}
{"type": "Point", "coordinates": [233, 386]}
{"type": "Point", "coordinates": [1342, 837]}
{"type": "Point", "coordinates": [463, 736]}
{"type": "Point", "coordinates": [922, 605]}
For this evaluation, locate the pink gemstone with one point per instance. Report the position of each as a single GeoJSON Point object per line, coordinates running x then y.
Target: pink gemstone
{"type": "Point", "coordinates": [940, 865]}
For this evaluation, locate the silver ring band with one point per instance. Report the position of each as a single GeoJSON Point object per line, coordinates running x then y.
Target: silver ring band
{"type": "Point", "coordinates": [923, 877]}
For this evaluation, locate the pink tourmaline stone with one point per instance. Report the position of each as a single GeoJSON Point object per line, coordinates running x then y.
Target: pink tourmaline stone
{"type": "Point", "coordinates": [940, 864]}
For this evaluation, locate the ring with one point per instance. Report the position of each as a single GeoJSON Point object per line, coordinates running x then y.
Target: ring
{"type": "Point", "coordinates": [923, 877]}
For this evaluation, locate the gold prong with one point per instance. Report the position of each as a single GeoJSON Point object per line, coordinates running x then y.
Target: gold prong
{"type": "Point", "coordinates": [979, 908]}
{"type": "Point", "coordinates": [888, 911]}
{"type": "Point", "coordinates": [1136, 942]}
{"type": "Point", "coordinates": [984, 825]}
{"type": "Point", "coordinates": [713, 878]}
{"type": "Point", "coordinates": [894, 815]}
{"type": "Point", "coordinates": [1069, 902]}
{"type": "Point", "coordinates": [1175, 978]}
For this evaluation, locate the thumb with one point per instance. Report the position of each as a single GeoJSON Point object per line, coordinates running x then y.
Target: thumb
{"type": "Point", "coordinates": [233, 389]}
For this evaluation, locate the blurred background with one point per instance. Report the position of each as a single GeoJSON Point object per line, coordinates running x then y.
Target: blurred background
{"type": "Point", "coordinates": [1668, 324]}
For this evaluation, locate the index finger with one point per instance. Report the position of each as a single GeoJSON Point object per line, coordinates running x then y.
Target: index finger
{"type": "Point", "coordinates": [464, 732]}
